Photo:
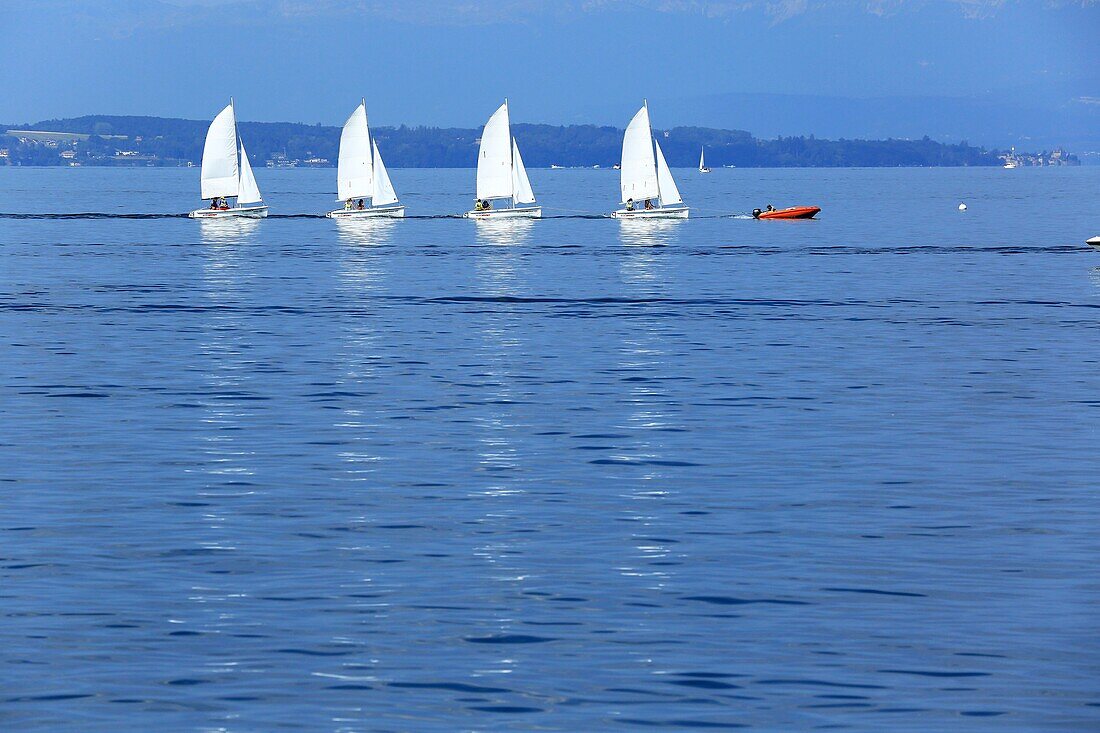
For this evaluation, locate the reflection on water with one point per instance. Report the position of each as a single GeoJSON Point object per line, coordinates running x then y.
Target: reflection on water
{"type": "Point", "coordinates": [365, 232]}
{"type": "Point", "coordinates": [227, 231]}
{"type": "Point", "coordinates": [361, 276]}
{"type": "Point", "coordinates": [648, 232]}
{"type": "Point", "coordinates": [644, 369]}
{"type": "Point", "coordinates": [225, 462]}
{"type": "Point", "coordinates": [504, 231]}
{"type": "Point", "coordinates": [1094, 276]}
{"type": "Point", "coordinates": [644, 268]}
{"type": "Point", "coordinates": [495, 423]}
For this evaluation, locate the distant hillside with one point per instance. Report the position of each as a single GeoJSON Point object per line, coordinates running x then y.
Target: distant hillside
{"type": "Point", "coordinates": [154, 141]}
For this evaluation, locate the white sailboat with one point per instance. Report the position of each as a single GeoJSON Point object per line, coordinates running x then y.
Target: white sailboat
{"type": "Point", "coordinates": [645, 176]}
{"type": "Point", "coordinates": [501, 173]}
{"type": "Point", "coordinates": [361, 175]}
{"type": "Point", "coordinates": [223, 177]}
{"type": "Point", "coordinates": [702, 165]}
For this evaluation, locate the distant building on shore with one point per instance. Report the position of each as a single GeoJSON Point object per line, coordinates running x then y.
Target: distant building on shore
{"type": "Point", "coordinates": [1057, 157]}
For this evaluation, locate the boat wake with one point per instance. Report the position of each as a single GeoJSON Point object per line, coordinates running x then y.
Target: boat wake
{"type": "Point", "coordinates": [92, 215]}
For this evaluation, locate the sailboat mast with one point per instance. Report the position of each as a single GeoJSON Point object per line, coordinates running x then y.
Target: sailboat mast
{"type": "Point", "coordinates": [511, 155]}
{"type": "Point", "coordinates": [653, 149]}
{"type": "Point", "coordinates": [369, 149]}
{"type": "Point", "coordinates": [236, 143]}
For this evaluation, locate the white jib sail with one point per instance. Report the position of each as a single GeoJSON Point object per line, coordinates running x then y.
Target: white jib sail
{"type": "Point", "coordinates": [521, 184]}
{"type": "Point", "coordinates": [383, 193]}
{"type": "Point", "coordinates": [668, 191]}
{"type": "Point", "coordinates": [494, 160]}
{"type": "Point", "coordinates": [249, 191]}
{"type": "Point", "coordinates": [638, 177]}
{"type": "Point", "coordinates": [220, 176]}
{"type": "Point", "coordinates": [354, 172]}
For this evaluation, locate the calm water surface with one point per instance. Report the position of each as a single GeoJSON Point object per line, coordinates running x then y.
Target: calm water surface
{"type": "Point", "coordinates": [570, 475]}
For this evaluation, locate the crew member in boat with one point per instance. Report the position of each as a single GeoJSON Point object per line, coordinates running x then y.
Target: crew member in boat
{"type": "Point", "coordinates": [649, 204]}
{"type": "Point", "coordinates": [347, 205]}
{"type": "Point", "coordinates": [361, 205]}
{"type": "Point", "coordinates": [630, 204]}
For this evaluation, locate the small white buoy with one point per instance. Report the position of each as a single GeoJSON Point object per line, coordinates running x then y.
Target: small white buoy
{"type": "Point", "coordinates": [962, 207]}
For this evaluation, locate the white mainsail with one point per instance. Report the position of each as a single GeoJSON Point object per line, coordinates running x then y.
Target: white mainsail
{"type": "Point", "coordinates": [702, 165]}
{"type": "Point", "coordinates": [667, 187]}
{"type": "Point", "coordinates": [249, 192]}
{"type": "Point", "coordinates": [354, 171]}
{"type": "Point", "coordinates": [494, 160]}
{"type": "Point", "coordinates": [220, 175]}
{"type": "Point", "coordinates": [382, 193]}
{"type": "Point", "coordinates": [638, 177]}
{"type": "Point", "coordinates": [521, 184]}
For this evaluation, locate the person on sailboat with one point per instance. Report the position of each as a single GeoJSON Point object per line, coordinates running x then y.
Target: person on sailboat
{"type": "Point", "coordinates": [347, 205]}
{"type": "Point", "coordinates": [630, 204]}
{"type": "Point", "coordinates": [649, 204]}
{"type": "Point", "coordinates": [361, 205]}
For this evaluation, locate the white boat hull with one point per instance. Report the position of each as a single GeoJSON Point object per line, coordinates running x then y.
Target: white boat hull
{"type": "Point", "coordinates": [1094, 242]}
{"type": "Point", "coordinates": [532, 212]}
{"type": "Point", "coordinates": [390, 212]}
{"type": "Point", "coordinates": [668, 212]}
{"type": "Point", "coordinates": [247, 212]}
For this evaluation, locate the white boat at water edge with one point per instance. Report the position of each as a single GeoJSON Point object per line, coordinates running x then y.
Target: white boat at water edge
{"type": "Point", "coordinates": [361, 175]}
{"type": "Point", "coordinates": [1094, 242]}
{"type": "Point", "coordinates": [223, 178]}
{"type": "Point", "coordinates": [501, 173]}
{"type": "Point", "coordinates": [645, 175]}
{"type": "Point", "coordinates": [702, 165]}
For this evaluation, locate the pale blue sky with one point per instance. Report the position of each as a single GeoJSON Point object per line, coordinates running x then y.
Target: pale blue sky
{"type": "Point", "coordinates": [449, 63]}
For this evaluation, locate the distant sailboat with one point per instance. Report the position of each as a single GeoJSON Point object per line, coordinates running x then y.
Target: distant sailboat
{"type": "Point", "coordinates": [501, 174]}
{"type": "Point", "coordinates": [702, 165]}
{"type": "Point", "coordinates": [361, 175]}
{"type": "Point", "coordinates": [223, 178]}
{"type": "Point", "coordinates": [645, 176]}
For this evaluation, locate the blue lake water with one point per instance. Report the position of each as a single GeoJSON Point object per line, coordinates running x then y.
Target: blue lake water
{"type": "Point", "coordinates": [573, 475]}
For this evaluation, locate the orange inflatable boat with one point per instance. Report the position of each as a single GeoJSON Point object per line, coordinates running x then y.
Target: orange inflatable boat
{"type": "Point", "coordinates": [794, 212]}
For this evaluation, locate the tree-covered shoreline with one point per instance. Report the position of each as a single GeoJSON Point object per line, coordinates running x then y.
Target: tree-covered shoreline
{"type": "Point", "coordinates": [105, 140]}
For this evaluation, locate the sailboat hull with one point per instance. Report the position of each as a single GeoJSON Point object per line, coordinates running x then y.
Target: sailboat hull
{"type": "Point", "coordinates": [391, 212]}
{"type": "Point", "coordinates": [668, 212]}
{"type": "Point", "coordinates": [1094, 242]}
{"type": "Point", "coordinates": [246, 212]}
{"type": "Point", "coordinates": [533, 212]}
